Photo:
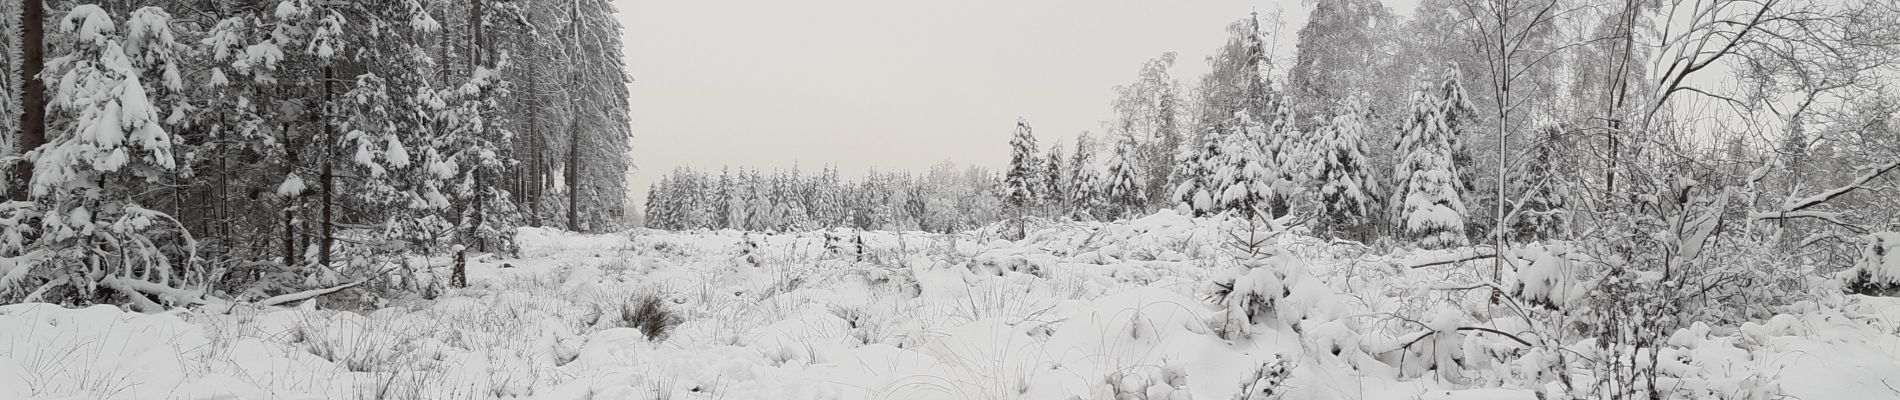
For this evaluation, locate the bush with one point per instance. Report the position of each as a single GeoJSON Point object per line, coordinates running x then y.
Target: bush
{"type": "Point", "coordinates": [649, 313]}
{"type": "Point", "coordinates": [1266, 382]}
{"type": "Point", "coordinates": [1878, 271]}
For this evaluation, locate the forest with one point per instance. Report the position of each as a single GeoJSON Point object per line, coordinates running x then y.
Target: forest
{"type": "Point", "coordinates": [237, 149]}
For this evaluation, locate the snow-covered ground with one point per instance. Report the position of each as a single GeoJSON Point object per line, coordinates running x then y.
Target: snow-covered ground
{"type": "Point", "coordinates": [1089, 311]}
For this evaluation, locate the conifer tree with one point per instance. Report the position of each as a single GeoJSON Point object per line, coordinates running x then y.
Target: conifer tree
{"type": "Point", "coordinates": [1247, 174]}
{"type": "Point", "coordinates": [1541, 214]}
{"type": "Point", "coordinates": [1022, 183]}
{"type": "Point", "coordinates": [1122, 189]}
{"type": "Point", "coordinates": [1055, 183]}
{"type": "Point", "coordinates": [1428, 203]}
{"type": "Point", "coordinates": [1347, 190]}
{"type": "Point", "coordinates": [1085, 195]}
{"type": "Point", "coordinates": [1197, 187]}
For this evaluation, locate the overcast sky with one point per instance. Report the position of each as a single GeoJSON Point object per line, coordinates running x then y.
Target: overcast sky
{"type": "Point", "coordinates": [895, 84]}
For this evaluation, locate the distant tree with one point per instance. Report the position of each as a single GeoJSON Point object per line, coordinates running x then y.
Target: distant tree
{"type": "Point", "coordinates": [1055, 182]}
{"type": "Point", "coordinates": [1150, 110]}
{"type": "Point", "coordinates": [1022, 183]}
{"type": "Point", "coordinates": [1085, 190]}
{"type": "Point", "coordinates": [1122, 189]}
{"type": "Point", "coordinates": [1341, 52]}
{"type": "Point", "coordinates": [1237, 80]}
{"type": "Point", "coordinates": [1196, 187]}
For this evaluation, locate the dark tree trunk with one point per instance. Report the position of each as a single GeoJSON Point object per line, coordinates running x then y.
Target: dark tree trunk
{"type": "Point", "coordinates": [291, 252]}
{"type": "Point", "coordinates": [459, 277]}
{"type": "Point", "coordinates": [476, 48]}
{"type": "Point", "coordinates": [33, 96]}
{"type": "Point", "coordinates": [573, 178]}
{"type": "Point", "coordinates": [329, 188]}
{"type": "Point", "coordinates": [574, 131]}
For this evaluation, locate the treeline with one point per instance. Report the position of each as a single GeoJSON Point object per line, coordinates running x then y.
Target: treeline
{"type": "Point", "coordinates": [198, 149]}
{"type": "Point", "coordinates": [948, 198]}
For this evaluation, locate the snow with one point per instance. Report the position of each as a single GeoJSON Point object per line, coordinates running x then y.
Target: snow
{"type": "Point", "coordinates": [1088, 310]}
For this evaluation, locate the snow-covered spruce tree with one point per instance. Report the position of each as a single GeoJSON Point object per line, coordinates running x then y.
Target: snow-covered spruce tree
{"type": "Point", "coordinates": [1056, 184]}
{"type": "Point", "coordinates": [1197, 187]}
{"type": "Point", "coordinates": [1457, 116]}
{"type": "Point", "coordinates": [1347, 190]}
{"type": "Point", "coordinates": [738, 210]}
{"type": "Point", "coordinates": [1429, 210]}
{"type": "Point", "coordinates": [1121, 191]}
{"type": "Point", "coordinates": [1085, 195]}
{"type": "Point", "coordinates": [758, 208]}
{"type": "Point", "coordinates": [657, 214]}
{"type": "Point", "coordinates": [1290, 152]}
{"type": "Point", "coordinates": [1247, 174]}
{"type": "Point", "coordinates": [721, 201]}
{"type": "Point", "coordinates": [1540, 212]}
{"type": "Point", "coordinates": [828, 195]}
{"type": "Point", "coordinates": [1022, 183]}
{"type": "Point", "coordinates": [1250, 289]}
{"type": "Point", "coordinates": [107, 143]}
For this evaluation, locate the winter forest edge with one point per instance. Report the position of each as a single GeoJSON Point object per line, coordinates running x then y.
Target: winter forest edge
{"type": "Point", "coordinates": [1484, 199]}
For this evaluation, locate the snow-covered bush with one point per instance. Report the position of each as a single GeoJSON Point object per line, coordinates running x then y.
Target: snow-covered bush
{"type": "Point", "coordinates": [1878, 270]}
{"type": "Point", "coordinates": [650, 314]}
{"type": "Point", "coordinates": [1549, 276]}
{"type": "Point", "coordinates": [1246, 295]}
{"type": "Point", "coordinates": [1267, 382]}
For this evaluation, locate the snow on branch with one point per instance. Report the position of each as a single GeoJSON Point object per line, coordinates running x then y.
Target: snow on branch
{"type": "Point", "coordinates": [1452, 257]}
{"type": "Point", "coordinates": [1798, 208]}
{"type": "Point", "coordinates": [304, 295]}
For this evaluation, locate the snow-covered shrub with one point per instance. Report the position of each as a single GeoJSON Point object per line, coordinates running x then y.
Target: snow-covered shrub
{"type": "Point", "coordinates": [1548, 275]}
{"type": "Point", "coordinates": [1878, 270]}
{"type": "Point", "coordinates": [1267, 382]}
{"type": "Point", "coordinates": [1247, 295]}
{"type": "Point", "coordinates": [649, 313]}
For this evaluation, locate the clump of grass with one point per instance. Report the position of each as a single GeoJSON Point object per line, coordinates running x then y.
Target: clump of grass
{"type": "Point", "coordinates": [650, 314]}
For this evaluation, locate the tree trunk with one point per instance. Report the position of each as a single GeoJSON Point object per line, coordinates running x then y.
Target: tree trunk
{"type": "Point", "coordinates": [475, 55]}
{"type": "Point", "coordinates": [574, 132]}
{"type": "Point", "coordinates": [33, 92]}
{"type": "Point", "coordinates": [573, 177]}
{"type": "Point", "coordinates": [531, 189]}
{"type": "Point", "coordinates": [459, 275]}
{"type": "Point", "coordinates": [329, 188]}
{"type": "Point", "coordinates": [1618, 91]}
{"type": "Point", "coordinates": [290, 205]}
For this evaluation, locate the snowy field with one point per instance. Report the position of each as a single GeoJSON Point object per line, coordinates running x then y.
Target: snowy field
{"type": "Point", "coordinates": [1078, 311]}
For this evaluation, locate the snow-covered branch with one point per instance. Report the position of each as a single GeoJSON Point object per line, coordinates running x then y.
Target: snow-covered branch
{"type": "Point", "coordinates": [1452, 257]}
{"type": "Point", "coordinates": [1798, 208]}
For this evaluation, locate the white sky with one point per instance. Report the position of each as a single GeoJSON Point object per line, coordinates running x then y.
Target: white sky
{"type": "Point", "coordinates": [896, 85]}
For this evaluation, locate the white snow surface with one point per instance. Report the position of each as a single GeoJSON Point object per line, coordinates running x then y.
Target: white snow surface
{"type": "Point", "coordinates": [1084, 310]}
